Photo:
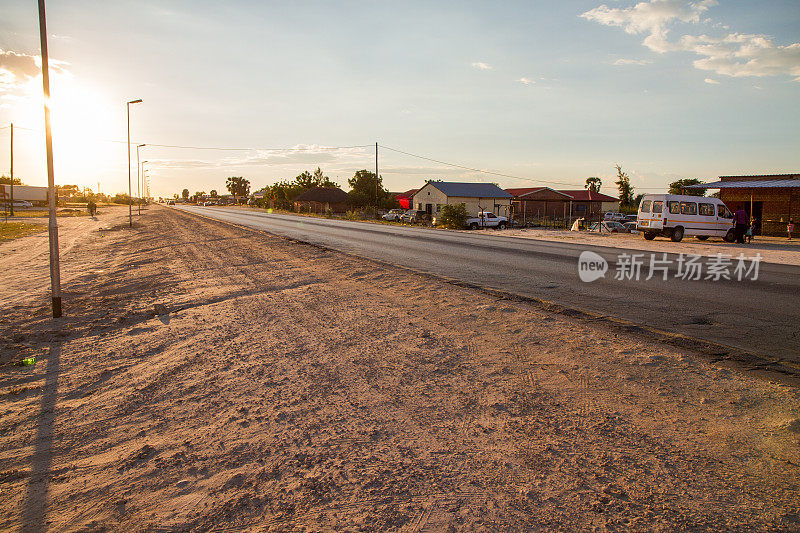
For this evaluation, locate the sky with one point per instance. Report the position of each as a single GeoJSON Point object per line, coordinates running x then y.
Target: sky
{"type": "Point", "coordinates": [538, 93]}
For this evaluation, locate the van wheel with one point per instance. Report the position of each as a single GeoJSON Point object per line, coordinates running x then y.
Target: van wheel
{"type": "Point", "coordinates": [473, 226]}
{"type": "Point", "coordinates": [730, 236]}
{"type": "Point", "coordinates": [701, 237]}
{"type": "Point", "coordinates": [502, 225]}
{"type": "Point", "coordinates": [677, 234]}
{"type": "Point", "coordinates": [648, 235]}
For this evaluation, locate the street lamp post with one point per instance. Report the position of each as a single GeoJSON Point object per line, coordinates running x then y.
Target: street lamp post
{"type": "Point", "coordinates": [52, 227]}
{"type": "Point", "coordinates": [130, 192]}
{"type": "Point", "coordinates": [144, 189]}
{"type": "Point", "coordinates": [139, 178]}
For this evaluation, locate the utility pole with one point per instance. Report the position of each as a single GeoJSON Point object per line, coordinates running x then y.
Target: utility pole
{"type": "Point", "coordinates": [377, 186]}
{"type": "Point", "coordinates": [11, 209]}
{"type": "Point", "coordinates": [55, 271]}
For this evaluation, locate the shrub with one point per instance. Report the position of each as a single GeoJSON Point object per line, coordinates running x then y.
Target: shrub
{"type": "Point", "coordinates": [453, 216]}
{"type": "Point", "coordinates": [328, 213]}
{"type": "Point", "coordinates": [351, 215]}
{"type": "Point", "coordinates": [369, 213]}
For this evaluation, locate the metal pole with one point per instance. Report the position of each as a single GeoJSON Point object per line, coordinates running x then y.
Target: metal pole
{"type": "Point", "coordinates": [139, 180]}
{"type": "Point", "coordinates": [55, 272]}
{"type": "Point", "coordinates": [377, 204]}
{"type": "Point", "coordinates": [130, 192]}
{"type": "Point", "coordinates": [11, 209]}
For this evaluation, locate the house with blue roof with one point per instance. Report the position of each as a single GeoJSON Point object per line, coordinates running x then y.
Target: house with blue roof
{"type": "Point", "coordinates": [476, 197]}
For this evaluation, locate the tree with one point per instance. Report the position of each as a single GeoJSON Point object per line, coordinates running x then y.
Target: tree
{"type": "Point", "coordinates": [625, 188]}
{"type": "Point", "coordinates": [676, 187]}
{"type": "Point", "coordinates": [185, 194]}
{"type": "Point", "coordinates": [363, 189]}
{"type": "Point", "coordinates": [238, 186]}
{"type": "Point", "coordinates": [453, 216]}
{"type": "Point", "coordinates": [213, 193]}
{"type": "Point", "coordinates": [6, 180]}
{"type": "Point", "coordinates": [593, 184]}
{"type": "Point", "coordinates": [638, 199]}
{"type": "Point", "coordinates": [198, 195]}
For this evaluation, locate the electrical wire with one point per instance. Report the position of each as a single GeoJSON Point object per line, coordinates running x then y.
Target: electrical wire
{"type": "Point", "coordinates": [477, 169]}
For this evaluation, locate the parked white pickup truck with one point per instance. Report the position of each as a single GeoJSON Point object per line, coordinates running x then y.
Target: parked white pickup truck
{"type": "Point", "coordinates": [487, 219]}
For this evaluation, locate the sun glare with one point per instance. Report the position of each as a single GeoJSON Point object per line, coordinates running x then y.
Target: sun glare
{"type": "Point", "coordinates": [82, 124]}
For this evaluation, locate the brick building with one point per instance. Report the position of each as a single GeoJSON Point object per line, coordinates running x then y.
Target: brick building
{"type": "Point", "coordinates": [544, 202]}
{"type": "Point", "coordinates": [773, 199]}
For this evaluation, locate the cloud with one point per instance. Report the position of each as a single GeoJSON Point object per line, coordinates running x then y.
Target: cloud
{"type": "Point", "coordinates": [711, 82]}
{"type": "Point", "coordinates": [632, 62]}
{"type": "Point", "coordinates": [482, 66]}
{"type": "Point", "coordinates": [18, 69]}
{"type": "Point", "coordinates": [734, 54]}
{"type": "Point", "coordinates": [526, 81]}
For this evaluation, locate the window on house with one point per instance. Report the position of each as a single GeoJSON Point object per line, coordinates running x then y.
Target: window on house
{"type": "Point", "coordinates": [438, 208]}
{"type": "Point", "coordinates": [580, 208]}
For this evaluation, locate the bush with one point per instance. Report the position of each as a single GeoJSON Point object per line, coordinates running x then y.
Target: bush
{"type": "Point", "coordinates": [369, 213]}
{"type": "Point", "coordinates": [328, 213]}
{"type": "Point", "coordinates": [351, 215]}
{"type": "Point", "coordinates": [453, 216]}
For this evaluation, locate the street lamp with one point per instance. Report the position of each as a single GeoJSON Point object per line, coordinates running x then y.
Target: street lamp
{"type": "Point", "coordinates": [130, 192]}
{"type": "Point", "coordinates": [144, 190]}
{"type": "Point", "coordinates": [139, 178]}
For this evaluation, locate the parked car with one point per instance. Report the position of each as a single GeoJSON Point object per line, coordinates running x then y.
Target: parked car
{"type": "Point", "coordinates": [393, 215]}
{"type": "Point", "coordinates": [413, 216]}
{"type": "Point", "coordinates": [614, 215]}
{"type": "Point", "coordinates": [608, 226]}
{"type": "Point", "coordinates": [487, 219]}
{"type": "Point", "coordinates": [630, 218]}
{"type": "Point", "coordinates": [631, 227]}
{"type": "Point", "coordinates": [676, 215]}
{"type": "Point", "coordinates": [170, 202]}
{"type": "Point", "coordinates": [21, 204]}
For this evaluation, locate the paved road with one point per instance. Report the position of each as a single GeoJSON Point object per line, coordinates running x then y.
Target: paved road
{"type": "Point", "coordinates": [760, 316]}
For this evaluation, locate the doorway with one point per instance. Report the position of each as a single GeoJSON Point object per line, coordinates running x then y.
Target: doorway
{"type": "Point", "coordinates": [758, 208]}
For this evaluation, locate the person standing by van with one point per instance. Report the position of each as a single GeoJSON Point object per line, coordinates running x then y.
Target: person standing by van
{"type": "Point", "coordinates": [740, 219]}
{"type": "Point", "coordinates": [790, 228]}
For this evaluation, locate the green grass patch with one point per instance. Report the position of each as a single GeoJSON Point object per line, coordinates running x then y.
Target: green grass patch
{"type": "Point", "coordinates": [15, 230]}
{"type": "Point", "coordinates": [39, 213]}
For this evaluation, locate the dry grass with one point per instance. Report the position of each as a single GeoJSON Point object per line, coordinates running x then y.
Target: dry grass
{"type": "Point", "coordinates": [14, 230]}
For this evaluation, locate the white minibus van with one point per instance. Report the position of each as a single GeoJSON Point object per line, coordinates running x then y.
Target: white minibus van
{"type": "Point", "coordinates": [676, 215]}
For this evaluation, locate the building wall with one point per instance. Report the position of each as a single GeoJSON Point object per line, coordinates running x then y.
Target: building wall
{"type": "Point", "coordinates": [778, 209]}
{"type": "Point", "coordinates": [433, 196]}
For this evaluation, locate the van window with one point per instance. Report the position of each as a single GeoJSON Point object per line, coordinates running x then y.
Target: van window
{"type": "Point", "coordinates": [707, 210]}
{"type": "Point", "coordinates": [674, 207]}
{"type": "Point", "coordinates": [723, 212]}
{"type": "Point", "coordinates": [688, 208]}
{"type": "Point", "coordinates": [658, 207]}
{"type": "Point", "coordinates": [645, 207]}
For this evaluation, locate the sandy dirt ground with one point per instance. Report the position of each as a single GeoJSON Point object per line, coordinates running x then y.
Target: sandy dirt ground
{"type": "Point", "coordinates": [772, 249]}
{"type": "Point", "coordinates": [207, 377]}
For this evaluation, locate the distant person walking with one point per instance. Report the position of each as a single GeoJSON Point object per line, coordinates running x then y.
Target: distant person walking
{"type": "Point", "coordinates": [740, 219]}
{"type": "Point", "coordinates": [92, 207]}
{"type": "Point", "coordinates": [790, 228]}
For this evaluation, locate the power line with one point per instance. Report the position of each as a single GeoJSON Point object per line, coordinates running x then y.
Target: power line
{"type": "Point", "coordinates": [477, 169]}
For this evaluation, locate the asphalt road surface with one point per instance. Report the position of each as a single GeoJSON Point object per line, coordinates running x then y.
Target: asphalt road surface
{"type": "Point", "coordinates": [761, 316]}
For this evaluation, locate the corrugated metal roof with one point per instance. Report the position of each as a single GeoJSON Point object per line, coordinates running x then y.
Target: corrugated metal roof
{"type": "Point", "coordinates": [470, 190]}
{"type": "Point", "coordinates": [747, 184]}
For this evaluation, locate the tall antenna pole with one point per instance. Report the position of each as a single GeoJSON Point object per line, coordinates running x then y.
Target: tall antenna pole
{"type": "Point", "coordinates": [377, 186]}
{"type": "Point", "coordinates": [55, 271]}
